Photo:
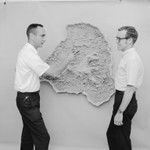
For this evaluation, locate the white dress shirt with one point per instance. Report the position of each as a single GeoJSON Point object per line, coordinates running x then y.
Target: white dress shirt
{"type": "Point", "coordinates": [130, 70]}
{"type": "Point", "coordinates": [29, 68]}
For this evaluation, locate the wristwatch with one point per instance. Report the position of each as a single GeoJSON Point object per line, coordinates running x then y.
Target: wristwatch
{"type": "Point", "coordinates": [120, 111]}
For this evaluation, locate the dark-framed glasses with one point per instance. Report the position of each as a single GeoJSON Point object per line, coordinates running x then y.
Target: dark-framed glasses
{"type": "Point", "coordinates": [121, 38]}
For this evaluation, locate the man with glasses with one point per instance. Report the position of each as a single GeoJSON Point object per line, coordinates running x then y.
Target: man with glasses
{"type": "Point", "coordinates": [128, 79]}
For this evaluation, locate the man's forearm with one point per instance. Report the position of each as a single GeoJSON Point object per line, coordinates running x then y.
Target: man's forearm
{"type": "Point", "coordinates": [62, 67]}
{"type": "Point", "coordinates": [55, 70]}
{"type": "Point", "coordinates": [127, 98]}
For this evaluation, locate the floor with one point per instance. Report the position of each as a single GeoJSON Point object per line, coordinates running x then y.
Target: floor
{"type": "Point", "coordinates": [16, 147]}
{"type": "Point", "coordinates": [5, 146]}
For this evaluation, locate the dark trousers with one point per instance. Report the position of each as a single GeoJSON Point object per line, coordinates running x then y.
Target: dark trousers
{"type": "Point", "coordinates": [34, 133]}
{"type": "Point", "coordinates": [118, 137]}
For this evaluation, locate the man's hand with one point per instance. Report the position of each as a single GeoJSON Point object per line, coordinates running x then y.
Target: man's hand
{"type": "Point", "coordinates": [118, 119]}
{"type": "Point", "coordinates": [48, 77]}
{"type": "Point", "coordinates": [70, 56]}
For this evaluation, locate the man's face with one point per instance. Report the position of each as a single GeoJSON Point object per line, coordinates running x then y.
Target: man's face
{"type": "Point", "coordinates": [122, 40]}
{"type": "Point", "coordinates": [39, 37]}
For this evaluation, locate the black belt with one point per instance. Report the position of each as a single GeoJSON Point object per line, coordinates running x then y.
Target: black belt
{"type": "Point", "coordinates": [121, 92]}
{"type": "Point", "coordinates": [36, 92]}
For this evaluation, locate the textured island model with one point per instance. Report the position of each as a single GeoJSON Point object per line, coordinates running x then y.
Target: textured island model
{"type": "Point", "coordinates": [89, 73]}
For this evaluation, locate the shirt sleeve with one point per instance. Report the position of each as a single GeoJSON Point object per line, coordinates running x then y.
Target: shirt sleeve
{"type": "Point", "coordinates": [132, 72]}
{"type": "Point", "coordinates": [36, 63]}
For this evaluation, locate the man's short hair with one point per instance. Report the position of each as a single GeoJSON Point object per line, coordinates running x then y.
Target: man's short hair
{"type": "Point", "coordinates": [31, 28]}
{"type": "Point", "coordinates": [131, 32]}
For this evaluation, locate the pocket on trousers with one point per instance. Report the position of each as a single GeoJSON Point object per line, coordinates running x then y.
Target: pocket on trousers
{"type": "Point", "coordinates": [26, 101]}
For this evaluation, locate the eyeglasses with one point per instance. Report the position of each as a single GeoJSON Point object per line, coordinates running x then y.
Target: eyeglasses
{"type": "Point", "coordinates": [119, 38]}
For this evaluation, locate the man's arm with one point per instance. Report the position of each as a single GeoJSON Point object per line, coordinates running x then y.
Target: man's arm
{"type": "Point", "coordinates": [127, 97]}
{"type": "Point", "coordinates": [118, 119]}
{"type": "Point", "coordinates": [55, 70]}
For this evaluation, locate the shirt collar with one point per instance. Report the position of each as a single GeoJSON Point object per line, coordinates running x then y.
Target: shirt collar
{"type": "Point", "coordinates": [31, 47]}
{"type": "Point", "coordinates": [128, 51]}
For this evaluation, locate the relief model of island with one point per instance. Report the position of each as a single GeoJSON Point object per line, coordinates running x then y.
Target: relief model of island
{"type": "Point", "coordinates": [89, 73]}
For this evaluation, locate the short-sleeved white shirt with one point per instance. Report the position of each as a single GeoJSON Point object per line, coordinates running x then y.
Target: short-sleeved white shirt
{"type": "Point", "coordinates": [130, 70]}
{"type": "Point", "coordinates": [29, 67]}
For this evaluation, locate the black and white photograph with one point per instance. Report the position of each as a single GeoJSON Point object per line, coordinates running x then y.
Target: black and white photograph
{"type": "Point", "coordinates": [74, 74]}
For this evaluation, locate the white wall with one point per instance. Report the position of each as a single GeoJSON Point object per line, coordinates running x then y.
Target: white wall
{"type": "Point", "coordinates": [70, 119]}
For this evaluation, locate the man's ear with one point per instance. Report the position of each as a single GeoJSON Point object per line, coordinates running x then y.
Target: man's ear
{"type": "Point", "coordinates": [130, 41]}
{"type": "Point", "coordinates": [31, 36]}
